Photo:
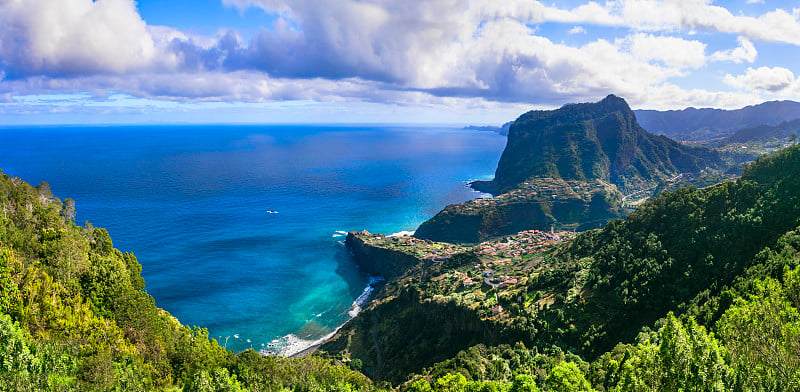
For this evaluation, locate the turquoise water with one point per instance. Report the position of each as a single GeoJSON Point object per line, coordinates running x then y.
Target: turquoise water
{"type": "Point", "coordinates": [191, 202]}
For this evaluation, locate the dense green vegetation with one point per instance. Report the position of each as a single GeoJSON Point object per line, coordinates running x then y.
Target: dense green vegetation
{"type": "Point", "coordinates": [576, 167]}
{"type": "Point", "coordinates": [74, 317]}
{"type": "Point", "coordinates": [588, 141]}
{"type": "Point", "coordinates": [697, 290]}
{"type": "Point", "coordinates": [538, 203]}
{"type": "Point", "coordinates": [673, 248]}
{"type": "Point", "coordinates": [716, 258]}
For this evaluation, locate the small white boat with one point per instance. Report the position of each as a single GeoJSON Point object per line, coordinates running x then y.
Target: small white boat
{"type": "Point", "coordinates": [272, 212]}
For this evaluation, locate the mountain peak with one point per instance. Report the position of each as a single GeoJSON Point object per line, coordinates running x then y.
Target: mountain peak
{"type": "Point", "coordinates": [596, 140]}
{"type": "Point", "coordinates": [612, 100]}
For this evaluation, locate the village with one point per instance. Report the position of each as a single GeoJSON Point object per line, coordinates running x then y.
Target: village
{"type": "Point", "coordinates": [496, 266]}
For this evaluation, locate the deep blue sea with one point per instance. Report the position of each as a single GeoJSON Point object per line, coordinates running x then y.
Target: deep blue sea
{"type": "Point", "coordinates": [191, 202]}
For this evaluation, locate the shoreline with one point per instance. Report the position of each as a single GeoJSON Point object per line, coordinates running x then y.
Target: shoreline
{"type": "Point", "coordinates": [299, 348]}
{"type": "Point", "coordinates": [296, 347]}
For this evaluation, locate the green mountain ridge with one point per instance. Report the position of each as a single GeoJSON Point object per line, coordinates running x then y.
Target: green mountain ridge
{"type": "Point", "coordinates": [780, 133]}
{"type": "Point", "coordinates": [705, 255]}
{"type": "Point", "coordinates": [570, 168]}
{"type": "Point", "coordinates": [588, 141]}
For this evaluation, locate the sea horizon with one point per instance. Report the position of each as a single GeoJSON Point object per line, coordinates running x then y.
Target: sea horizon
{"type": "Point", "coordinates": [191, 202]}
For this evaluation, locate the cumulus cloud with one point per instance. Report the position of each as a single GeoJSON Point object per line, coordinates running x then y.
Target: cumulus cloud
{"type": "Point", "coordinates": [672, 51]}
{"type": "Point", "coordinates": [381, 51]}
{"type": "Point", "coordinates": [577, 30]}
{"type": "Point", "coordinates": [73, 37]}
{"type": "Point", "coordinates": [670, 15]}
{"type": "Point", "coordinates": [771, 79]}
{"type": "Point", "coordinates": [746, 51]}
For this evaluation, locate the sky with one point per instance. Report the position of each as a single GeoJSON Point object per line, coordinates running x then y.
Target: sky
{"type": "Point", "coordinates": [384, 61]}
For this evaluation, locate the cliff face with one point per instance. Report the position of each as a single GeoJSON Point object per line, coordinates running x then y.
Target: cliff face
{"type": "Point", "coordinates": [379, 261]}
{"type": "Point", "coordinates": [571, 168]}
{"type": "Point", "coordinates": [587, 141]}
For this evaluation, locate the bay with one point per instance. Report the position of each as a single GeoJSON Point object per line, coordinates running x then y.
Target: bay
{"type": "Point", "coordinates": [192, 202]}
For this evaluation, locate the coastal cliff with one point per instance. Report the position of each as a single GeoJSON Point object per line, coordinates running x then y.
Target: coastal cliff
{"type": "Point", "coordinates": [575, 168]}
{"type": "Point", "coordinates": [378, 260]}
{"type": "Point", "coordinates": [446, 302]}
{"type": "Point", "coordinates": [599, 140]}
{"type": "Point", "coordinates": [408, 332]}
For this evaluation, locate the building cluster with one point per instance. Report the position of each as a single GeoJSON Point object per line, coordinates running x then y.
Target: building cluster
{"type": "Point", "coordinates": [517, 245]}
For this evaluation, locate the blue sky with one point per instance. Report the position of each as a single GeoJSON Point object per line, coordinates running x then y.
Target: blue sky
{"type": "Point", "coordinates": [384, 61]}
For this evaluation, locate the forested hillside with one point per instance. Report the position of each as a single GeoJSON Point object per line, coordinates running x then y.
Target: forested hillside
{"type": "Point", "coordinates": [697, 290]}
{"type": "Point", "coordinates": [74, 316]}
{"type": "Point", "coordinates": [720, 259]}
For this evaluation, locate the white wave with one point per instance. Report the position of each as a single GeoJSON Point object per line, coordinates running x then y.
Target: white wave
{"type": "Point", "coordinates": [362, 299]}
{"type": "Point", "coordinates": [341, 232]}
{"type": "Point", "coordinates": [337, 235]}
{"type": "Point", "coordinates": [291, 344]}
{"type": "Point", "coordinates": [404, 233]}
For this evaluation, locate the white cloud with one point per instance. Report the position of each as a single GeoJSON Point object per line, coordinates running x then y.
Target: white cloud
{"type": "Point", "coordinates": [746, 51]}
{"type": "Point", "coordinates": [378, 51]}
{"type": "Point", "coordinates": [773, 80]}
{"type": "Point", "coordinates": [672, 51]}
{"type": "Point", "coordinates": [671, 15]}
{"type": "Point", "coordinates": [754, 1]}
{"type": "Point", "coordinates": [577, 30]}
{"type": "Point", "coordinates": [73, 37]}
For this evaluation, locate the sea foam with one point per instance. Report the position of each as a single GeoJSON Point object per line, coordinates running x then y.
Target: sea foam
{"type": "Point", "coordinates": [291, 344]}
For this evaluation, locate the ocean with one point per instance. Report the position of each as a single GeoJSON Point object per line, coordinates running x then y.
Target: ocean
{"type": "Point", "coordinates": [192, 203]}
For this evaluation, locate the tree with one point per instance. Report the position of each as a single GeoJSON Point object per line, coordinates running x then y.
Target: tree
{"type": "Point", "coordinates": [566, 377]}
{"type": "Point", "coordinates": [68, 209]}
{"type": "Point", "coordinates": [216, 380]}
{"type": "Point", "coordinates": [524, 383]}
{"type": "Point", "coordinates": [763, 334]}
{"type": "Point", "coordinates": [451, 383]}
{"type": "Point", "coordinates": [683, 359]}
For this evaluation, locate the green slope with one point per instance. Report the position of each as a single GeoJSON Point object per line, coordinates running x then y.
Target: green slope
{"type": "Point", "coordinates": [587, 141]}
{"type": "Point", "coordinates": [571, 168]}
{"type": "Point", "coordinates": [691, 252]}
{"type": "Point", "coordinates": [74, 316]}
